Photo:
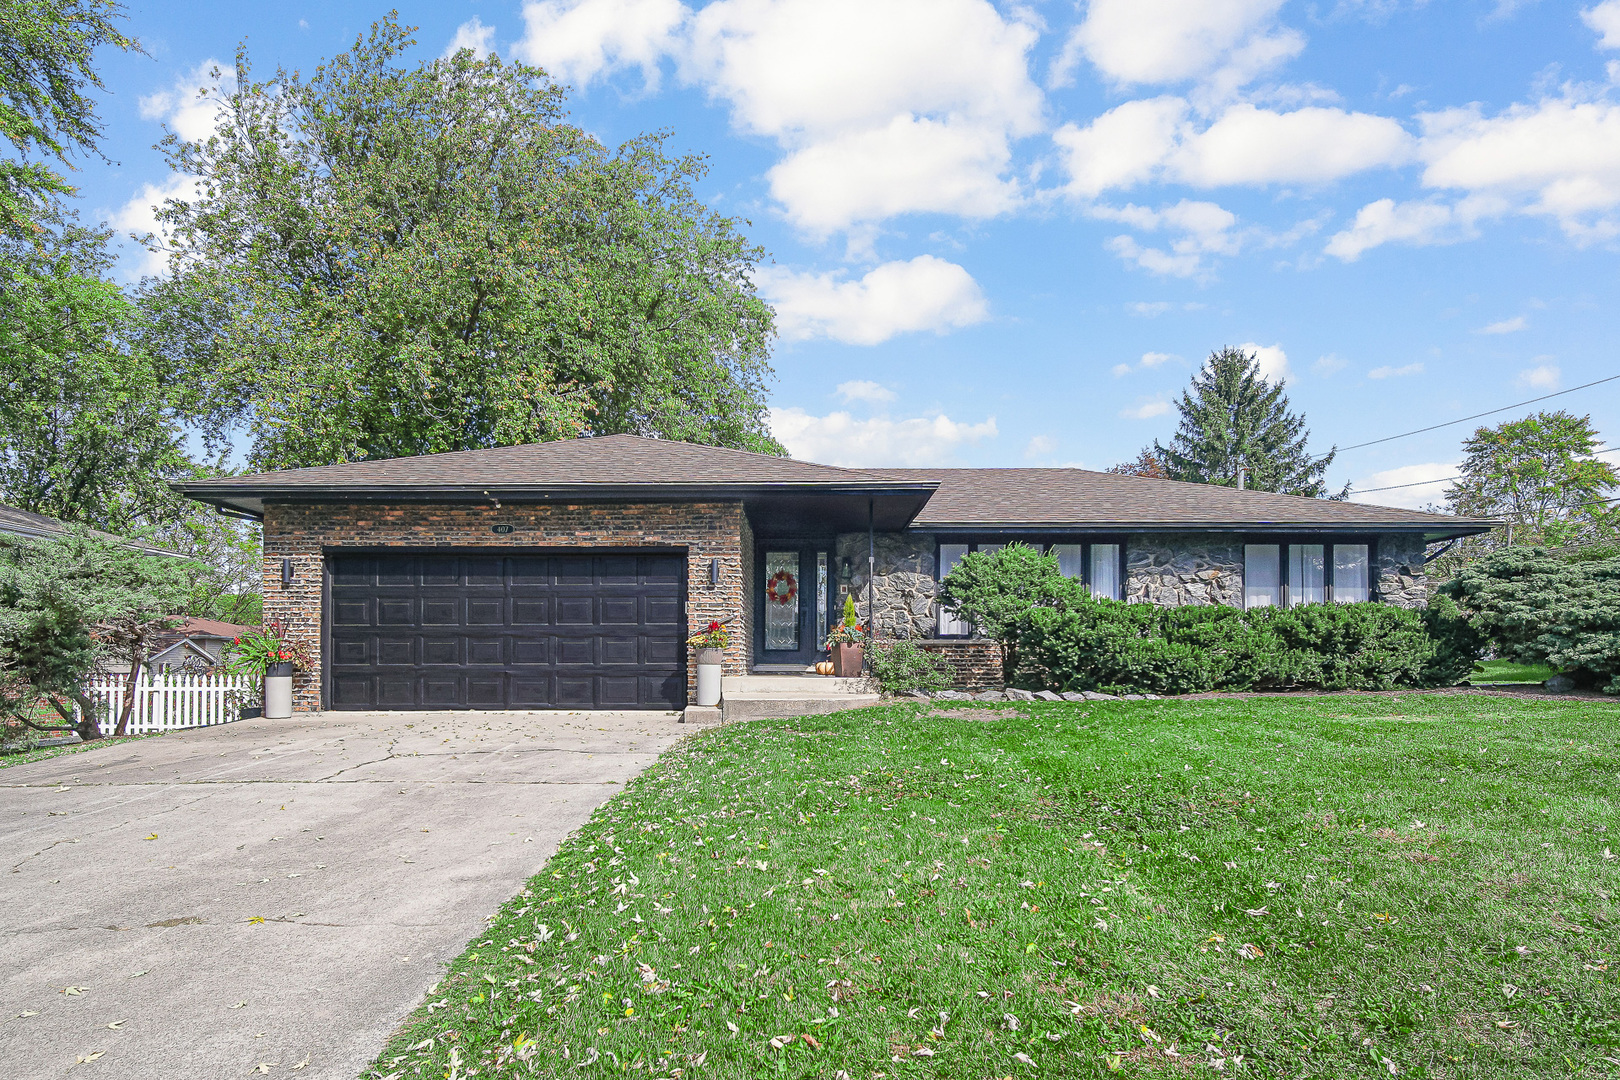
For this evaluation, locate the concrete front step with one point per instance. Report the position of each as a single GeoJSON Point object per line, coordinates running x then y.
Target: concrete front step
{"type": "Point", "coordinates": [754, 705]}
{"type": "Point", "coordinates": [801, 685]}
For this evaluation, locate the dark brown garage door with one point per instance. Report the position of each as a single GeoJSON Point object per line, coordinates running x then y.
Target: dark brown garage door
{"type": "Point", "coordinates": [514, 631]}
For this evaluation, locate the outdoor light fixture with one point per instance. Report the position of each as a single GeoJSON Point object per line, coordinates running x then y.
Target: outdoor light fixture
{"type": "Point", "coordinates": [714, 571]}
{"type": "Point", "coordinates": [286, 572]}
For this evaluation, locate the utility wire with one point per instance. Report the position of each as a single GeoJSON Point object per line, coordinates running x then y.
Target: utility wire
{"type": "Point", "coordinates": [1465, 419]}
{"type": "Point", "coordinates": [1449, 479]}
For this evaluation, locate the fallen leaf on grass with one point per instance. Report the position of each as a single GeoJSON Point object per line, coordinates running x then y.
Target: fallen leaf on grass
{"type": "Point", "coordinates": [811, 1041]}
{"type": "Point", "coordinates": [779, 1041]}
{"type": "Point", "coordinates": [1153, 992]}
{"type": "Point", "coordinates": [1024, 1059]}
{"type": "Point", "coordinates": [1250, 952]}
{"type": "Point", "coordinates": [731, 1027]}
{"type": "Point", "coordinates": [923, 1052]}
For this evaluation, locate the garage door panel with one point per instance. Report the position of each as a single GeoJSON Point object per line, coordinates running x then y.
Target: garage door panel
{"type": "Point", "coordinates": [485, 651]}
{"type": "Point", "coordinates": [575, 610]}
{"type": "Point", "coordinates": [468, 630]}
{"type": "Point", "coordinates": [531, 651]}
{"type": "Point", "coordinates": [575, 693]}
{"type": "Point", "coordinates": [486, 611]}
{"type": "Point", "coordinates": [531, 611]}
{"type": "Point", "coordinates": [620, 650]}
{"type": "Point", "coordinates": [352, 612]}
{"type": "Point", "coordinates": [393, 611]}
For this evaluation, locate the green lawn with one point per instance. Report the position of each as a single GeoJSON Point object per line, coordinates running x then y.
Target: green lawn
{"type": "Point", "coordinates": [23, 757]}
{"type": "Point", "coordinates": [1354, 885]}
{"type": "Point", "coordinates": [1498, 672]}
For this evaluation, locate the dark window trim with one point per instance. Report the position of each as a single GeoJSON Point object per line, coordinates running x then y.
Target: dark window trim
{"type": "Point", "coordinates": [1282, 542]}
{"type": "Point", "coordinates": [1044, 541]}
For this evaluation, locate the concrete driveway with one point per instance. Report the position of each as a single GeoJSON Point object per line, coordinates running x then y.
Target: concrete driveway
{"type": "Point", "coordinates": [273, 896]}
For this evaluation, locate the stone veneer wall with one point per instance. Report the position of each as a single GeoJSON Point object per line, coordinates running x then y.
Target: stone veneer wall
{"type": "Point", "coordinates": [903, 600]}
{"type": "Point", "coordinates": [1184, 569]}
{"type": "Point", "coordinates": [1398, 574]}
{"type": "Point", "coordinates": [301, 531]}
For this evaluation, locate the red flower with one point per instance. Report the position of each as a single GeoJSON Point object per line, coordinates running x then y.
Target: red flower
{"type": "Point", "coordinates": [714, 626]}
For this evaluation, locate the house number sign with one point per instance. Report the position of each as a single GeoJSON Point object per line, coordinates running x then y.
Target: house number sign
{"type": "Point", "coordinates": [500, 530]}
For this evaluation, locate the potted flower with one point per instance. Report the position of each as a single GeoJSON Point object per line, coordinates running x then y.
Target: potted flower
{"type": "Point", "coordinates": [266, 651]}
{"type": "Point", "coordinates": [847, 643]}
{"type": "Point", "coordinates": [710, 643]}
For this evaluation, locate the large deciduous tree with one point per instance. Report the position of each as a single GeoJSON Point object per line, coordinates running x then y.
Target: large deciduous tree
{"type": "Point", "coordinates": [1540, 474]}
{"type": "Point", "coordinates": [384, 260]}
{"type": "Point", "coordinates": [46, 47]}
{"type": "Point", "coordinates": [1233, 418]}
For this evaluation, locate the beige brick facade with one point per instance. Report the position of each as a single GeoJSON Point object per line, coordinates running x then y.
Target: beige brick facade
{"type": "Point", "coordinates": [303, 532]}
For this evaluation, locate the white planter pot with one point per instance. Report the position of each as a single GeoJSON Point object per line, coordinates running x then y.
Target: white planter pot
{"type": "Point", "coordinates": [278, 692]}
{"type": "Point", "coordinates": [708, 677]}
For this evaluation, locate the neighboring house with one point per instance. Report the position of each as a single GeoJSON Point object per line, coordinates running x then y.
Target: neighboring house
{"type": "Point", "coordinates": [24, 523]}
{"type": "Point", "coordinates": [198, 645]}
{"type": "Point", "coordinates": [569, 574]}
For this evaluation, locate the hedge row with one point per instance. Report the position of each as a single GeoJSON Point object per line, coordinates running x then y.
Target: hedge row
{"type": "Point", "coordinates": [1117, 647]}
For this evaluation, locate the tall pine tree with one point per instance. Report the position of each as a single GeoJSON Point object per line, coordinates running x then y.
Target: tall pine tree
{"type": "Point", "coordinates": [1232, 418]}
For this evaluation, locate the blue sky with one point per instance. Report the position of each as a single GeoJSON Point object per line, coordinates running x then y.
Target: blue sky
{"type": "Point", "coordinates": [1006, 234]}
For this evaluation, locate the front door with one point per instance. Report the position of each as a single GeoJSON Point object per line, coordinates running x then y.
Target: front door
{"type": "Point", "coordinates": [795, 590]}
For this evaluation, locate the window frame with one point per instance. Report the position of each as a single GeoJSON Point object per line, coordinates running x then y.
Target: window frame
{"type": "Point", "coordinates": [1329, 571]}
{"type": "Point", "coordinates": [1044, 542]}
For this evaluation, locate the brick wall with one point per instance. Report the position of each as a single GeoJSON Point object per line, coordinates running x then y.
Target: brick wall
{"type": "Point", "coordinates": [715, 530]}
{"type": "Point", "coordinates": [975, 664]}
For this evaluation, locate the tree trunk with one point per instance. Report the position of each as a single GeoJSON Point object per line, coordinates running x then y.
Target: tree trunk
{"type": "Point", "coordinates": [129, 699]}
{"type": "Point", "coordinates": [87, 729]}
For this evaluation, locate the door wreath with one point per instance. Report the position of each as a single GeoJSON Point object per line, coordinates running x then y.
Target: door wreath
{"type": "Point", "coordinates": [782, 587]}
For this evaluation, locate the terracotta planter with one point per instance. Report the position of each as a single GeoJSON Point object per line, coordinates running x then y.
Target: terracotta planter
{"type": "Point", "coordinates": [847, 660]}
{"type": "Point", "coordinates": [708, 676]}
{"type": "Point", "coordinates": [278, 691]}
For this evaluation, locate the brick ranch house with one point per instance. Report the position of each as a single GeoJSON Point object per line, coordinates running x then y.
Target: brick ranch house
{"type": "Point", "coordinates": [569, 574]}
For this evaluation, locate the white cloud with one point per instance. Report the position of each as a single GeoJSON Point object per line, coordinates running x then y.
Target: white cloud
{"type": "Point", "coordinates": [1541, 377]}
{"type": "Point", "coordinates": [864, 390]}
{"type": "Point", "coordinates": [882, 109]}
{"type": "Point", "coordinates": [1605, 19]}
{"type": "Point", "coordinates": [138, 217]}
{"type": "Point", "coordinates": [840, 439]}
{"type": "Point", "coordinates": [1205, 229]}
{"type": "Point", "coordinates": [1389, 372]}
{"type": "Point", "coordinates": [1147, 410]}
{"type": "Point", "coordinates": [926, 293]}
{"type": "Point", "coordinates": [1149, 361]}
{"type": "Point", "coordinates": [474, 35]}
{"type": "Point", "coordinates": [577, 41]}
{"type": "Point", "coordinates": [1506, 326]}
{"type": "Point", "coordinates": [1156, 139]}
{"type": "Point", "coordinates": [1559, 157]}
{"type": "Point", "coordinates": [187, 112]}
{"type": "Point", "coordinates": [1430, 480]}
{"type": "Point", "coordinates": [1418, 223]}
{"type": "Point", "coordinates": [1327, 365]}
{"type": "Point", "coordinates": [1040, 446]}
{"type": "Point", "coordinates": [1273, 361]}
{"type": "Point", "coordinates": [1169, 41]}
{"type": "Point", "coordinates": [910, 165]}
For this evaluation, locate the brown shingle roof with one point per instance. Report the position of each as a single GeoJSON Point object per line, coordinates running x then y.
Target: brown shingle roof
{"type": "Point", "coordinates": [1080, 498]}
{"type": "Point", "coordinates": [609, 461]}
{"type": "Point", "coordinates": [21, 522]}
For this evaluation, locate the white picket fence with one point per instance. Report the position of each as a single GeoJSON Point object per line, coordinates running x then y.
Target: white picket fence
{"type": "Point", "coordinates": [167, 702]}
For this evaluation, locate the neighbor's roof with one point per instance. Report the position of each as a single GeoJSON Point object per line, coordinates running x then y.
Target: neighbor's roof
{"type": "Point", "coordinates": [1078, 498]}
{"type": "Point", "coordinates": [26, 523]}
{"type": "Point", "coordinates": [603, 467]}
{"type": "Point", "coordinates": [195, 627]}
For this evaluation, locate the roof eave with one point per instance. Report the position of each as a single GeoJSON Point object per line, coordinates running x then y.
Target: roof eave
{"type": "Point", "coordinates": [1441, 530]}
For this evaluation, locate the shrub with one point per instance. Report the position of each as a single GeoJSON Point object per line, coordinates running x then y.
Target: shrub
{"type": "Point", "coordinates": [902, 667]}
{"type": "Point", "coordinates": [993, 591]}
{"type": "Point", "coordinates": [1537, 608]}
{"type": "Point", "coordinates": [1112, 646]}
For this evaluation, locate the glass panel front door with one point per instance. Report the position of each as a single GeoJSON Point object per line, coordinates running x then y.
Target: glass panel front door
{"type": "Point", "coordinates": [781, 601]}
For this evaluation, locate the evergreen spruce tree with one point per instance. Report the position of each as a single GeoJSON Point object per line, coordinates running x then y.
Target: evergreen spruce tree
{"type": "Point", "coordinates": [1233, 418]}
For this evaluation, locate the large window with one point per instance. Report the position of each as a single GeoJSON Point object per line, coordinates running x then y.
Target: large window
{"type": "Point", "coordinates": [1100, 566]}
{"type": "Point", "coordinates": [1294, 574]}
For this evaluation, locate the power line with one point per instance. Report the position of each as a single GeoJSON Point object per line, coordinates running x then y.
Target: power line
{"type": "Point", "coordinates": [1449, 479]}
{"type": "Point", "coordinates": [1465, 419]}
